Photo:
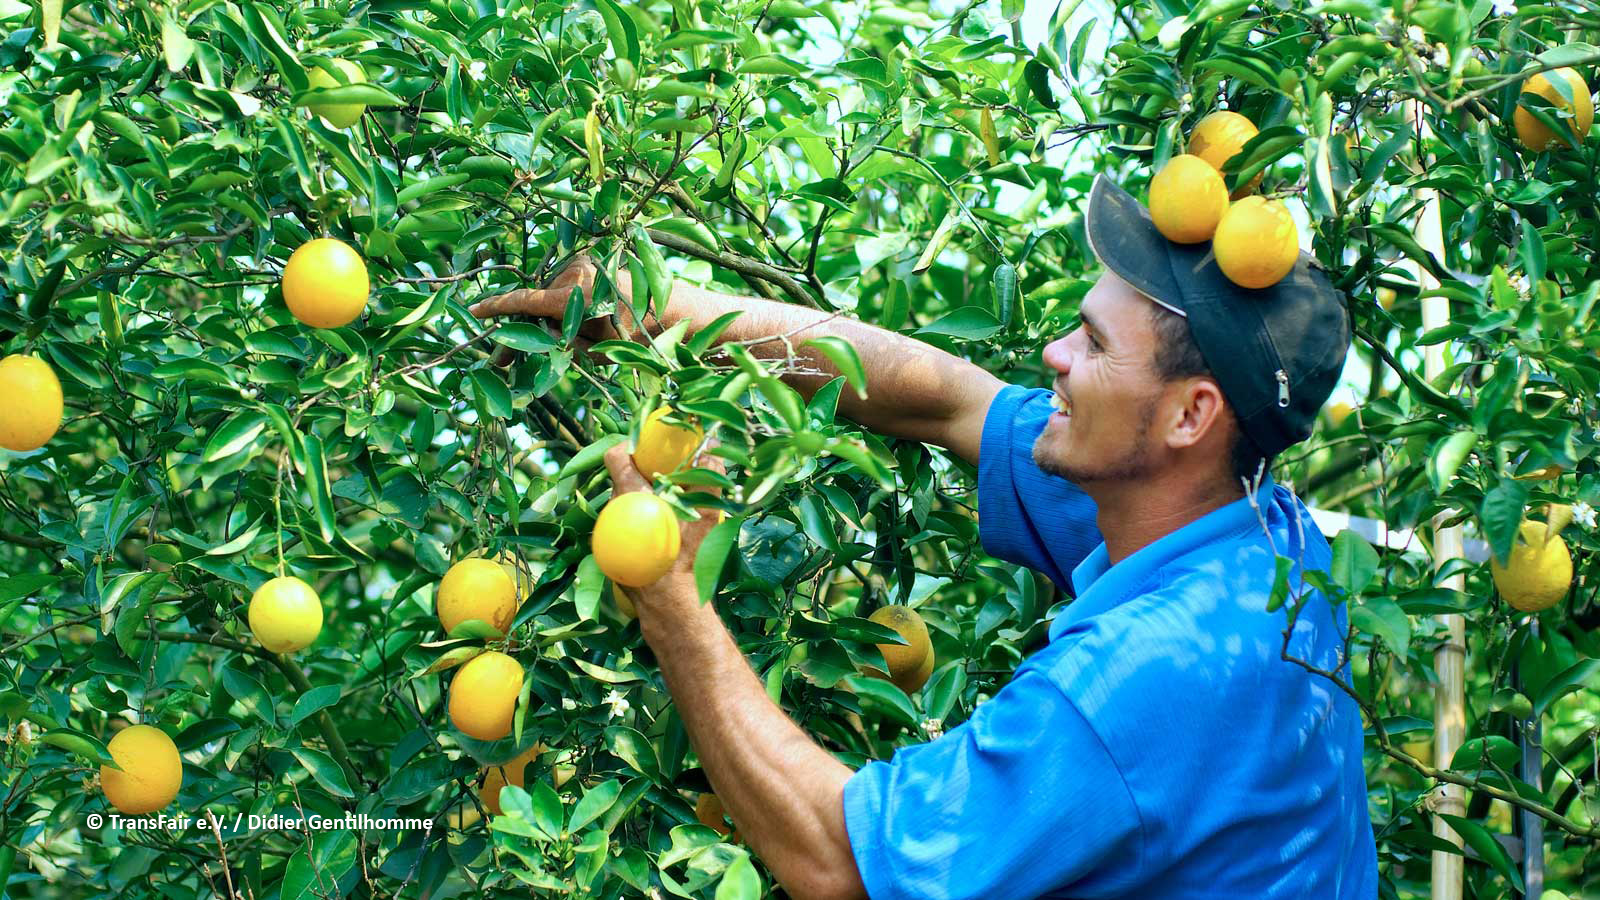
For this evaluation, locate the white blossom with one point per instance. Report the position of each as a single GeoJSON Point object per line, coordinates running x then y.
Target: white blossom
{"type": "Point", "coordinates": [1575, 406]}
{"type": "Point", "coordinates": [934, 727]}
{"type": "Point", "coordinates": [568, 704]}
{"type": "Point", "coordinates": [1583, 514]}
{"type": "Point", "coordinates": [618, 703]}
{"type": "Point", "coordinates": [477, 68]}
{"type": "Point", "coordinates": [1441, 56]}
{"type": "Point", "coordinates": [1505, 8]}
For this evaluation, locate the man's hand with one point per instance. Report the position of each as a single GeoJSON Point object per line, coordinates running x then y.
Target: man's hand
{"type": "Point", "coordinates": [551, 303]}
{"type": "Point", "coordinates": [626, 477]}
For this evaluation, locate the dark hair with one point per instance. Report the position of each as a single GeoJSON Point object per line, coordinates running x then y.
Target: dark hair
{"type": "Point", "coordinates": [1178, 356]}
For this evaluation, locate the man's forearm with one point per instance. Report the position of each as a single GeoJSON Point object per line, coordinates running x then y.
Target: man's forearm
{"type": "Point", "coordinates": [782, 789]}
{"type": "Point", "coordinates": [912, 387]}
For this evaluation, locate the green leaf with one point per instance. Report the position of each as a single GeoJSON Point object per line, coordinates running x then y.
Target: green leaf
{"type": "Point", "coordinates": [1489, 849]}
{"type": "Point", "coordinates": [1382, 617]}
{"type": "Point", "coordinates": [970, 323]}
{"type": "Point", "coordinates": [843, 355]}
{"type": "Point", "coordinates": [318, 698]}
{"type": "Point", "coordinates": [250, 694]}
{"type": "Point", "coordinates": [1501, 515]}
{"type": "Point", "coordinates": [740, 881]}
{"type": "Point", "coordinates": [634, 749]}
{"type": "Point", "coordinates": [1584, 673]}
{"type": "Point", "coordinates": [1354, 562]}
{"type": "Point", "coordinates": [324, 770]}
{"type": "Point", "coordinates": [317, 480]}
{"type": "Point", "coordinates": [235, 434]}
{"type": "Point", "coordinates": [593, 804]}
{"type": "Point", "coordinates": [590, 456]}
{"type": "Point", "coordinates": [78, 744]}
{"type": "Point", "coordinates": [529, 337]}
{"type": "Point", "coordinates": [20, 586]}
{"type": "Point", "coordinates": [1447, 459]}
{"type": "Point", "coordinates": [317, 866]}
{"type": "Point", "coordinates": [175, 45]}
{"type": "Point", "coordinates": [713, 554]}
{"type": "Point", "coordinates": [587, 586]}
{"type": "Point", "coordinates": [1005, 292]}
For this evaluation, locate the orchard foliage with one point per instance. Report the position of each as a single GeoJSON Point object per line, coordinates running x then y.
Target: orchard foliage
{"type": "Point", "coordinates": [919, 168]}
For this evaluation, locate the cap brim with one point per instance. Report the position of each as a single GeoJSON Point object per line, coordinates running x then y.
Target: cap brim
{"type": "Point", "coordinates": [1126, 241]}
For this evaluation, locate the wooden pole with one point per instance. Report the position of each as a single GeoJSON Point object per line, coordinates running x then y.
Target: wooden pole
{"type": "Point", "coordinates": [1449, 661]}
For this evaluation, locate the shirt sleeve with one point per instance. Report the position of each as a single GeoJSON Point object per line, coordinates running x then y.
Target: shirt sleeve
{"type": "Point", "coordinates": [1025, 516]}
{"type": "Point", "coordinates": [1020, 800]}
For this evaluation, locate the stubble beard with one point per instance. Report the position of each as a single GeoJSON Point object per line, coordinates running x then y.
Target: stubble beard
{"type": "Point", "coordinates": [1135, 462]}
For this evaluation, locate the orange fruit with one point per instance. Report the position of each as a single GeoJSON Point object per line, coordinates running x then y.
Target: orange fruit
{"type": "Point", "coordinates": [325, 283]}
{"type": "Point", "coordinates": [912, 681]}
{"type": "Point", "coordinates": [1538, 572]}
{"type": "Point", "coordinates": [31, 411]}
{"type": "Point", "coordinates": [708, 809]}
{"type": "Point", "coordinates": [664, 448]}
{"type": "Point", "coordinates": [151, 770]}
{"type": "Point", "coordinates": [483, 696]}
{"type": "Point", "coordinates": [1255, 243]}
{"type": "Point", "coordinates": [497, 777]}
{"type": "Point", "coordinates": [285, 614]}
{"type": "Point", "coordinates": [636, 539]}
{"type": "Point", "coordinates": [476, 589]}
{"type": "Point", "coordinates": [1534, 134]}
{"type": "Point", "coordinates": [1219, 137]}
{"type": "Point", "coordinates": [337, 115]}
{"type": "Point", "coordinates": [907, 660]}
{"type": "Point", "coordinates": [624, 604]}
{"type": "Point", "coordinates": [1338, 413]}
{"type": "Point", "coordinates": [1187, 200]}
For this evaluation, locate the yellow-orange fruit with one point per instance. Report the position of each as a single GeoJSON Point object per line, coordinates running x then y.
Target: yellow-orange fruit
{"type": "Point", "coordinates": [624, 603]}
{"type": "Point", "coordinates": [1219, 137]}
{"type": "Point", "coordinates": [285, 614]}
{"type": "Point", "coordinates": [483, 696]}
{"type": "Point", "coordinates": [325, 283]}
{"type": "Point", "coordinates": [31, 405]}
{"type": "Point", "coordinates": [151, 773]}
{"type": "Point", "coordinates": [912, 681]}
{"type": "Point", "coordinates": [337, 115]}
{"type": "Point", "coordinates": [1538, 572]}
{"type": "Point", "coordinates": [477, 589]}
{"type": "Point", "coordinates": [636, 538]}
{"type": "Point", "coordinates": [1537, 136]}
{"type": "Point", "coordinates": [1187, 200]}
{"type": "Point", "coordinates": [708, 809]}
{"type": "Point", "coordinates": [497, 777]}
{"type": "Point", "coordinates": [664, 448]}
{"type": "Point", "coordinates": [1255, 243]}
{"type": "Point", "coordinates": [905, 660]}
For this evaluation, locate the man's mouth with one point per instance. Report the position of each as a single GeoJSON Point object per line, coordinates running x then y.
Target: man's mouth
{"type": "Point", "coordinates": [1061, 405]}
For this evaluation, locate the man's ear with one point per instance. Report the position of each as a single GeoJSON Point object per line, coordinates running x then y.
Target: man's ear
{"type": "Point", "coordinates": [1201, 413]}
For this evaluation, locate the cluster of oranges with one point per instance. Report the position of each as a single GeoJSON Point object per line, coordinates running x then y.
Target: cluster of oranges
{"type": "Point", "coordinates": [1253, 238]}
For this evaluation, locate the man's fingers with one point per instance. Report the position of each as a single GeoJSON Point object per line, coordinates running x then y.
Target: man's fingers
{"type": "Point", "coordinates": [625, 476]}
{"type": "Point", "coordinates": [522, 302]}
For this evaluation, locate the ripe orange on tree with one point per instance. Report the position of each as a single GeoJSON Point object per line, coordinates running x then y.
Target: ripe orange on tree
{"type": "Point", "coordinates": [337, 115]}
{"type": "Point", "coordinates": [32, 411]}
{"type": "Point", "coordinates": [285, 614]}
{"type": "Point", "coordinates": [1537, 136]}
{"type": "Point", "coordinates": [150, 773]}
{"type": "Point", "coordinates": [636, 538]}
{"type": "Point", "coordinates": [663, 447]}
{"type": "Point", "coordinates": [483, 696]}
{"type": "Point", "coordinates": [476, 589]}
{"type": "Point", "coordinates": [911, 663]}
{"type": "Point", "coordinates": [325, 283]}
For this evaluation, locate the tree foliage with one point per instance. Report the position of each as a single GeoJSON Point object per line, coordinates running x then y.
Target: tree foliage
{"type": "Point", "coordinates": [919, 168]}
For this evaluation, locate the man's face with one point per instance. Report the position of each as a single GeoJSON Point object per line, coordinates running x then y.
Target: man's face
{"type": "Point", "coordinates": [1106, 391]}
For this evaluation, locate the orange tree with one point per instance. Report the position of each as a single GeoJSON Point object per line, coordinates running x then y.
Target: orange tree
{"type": "Point", "coordinates": [231, 418]}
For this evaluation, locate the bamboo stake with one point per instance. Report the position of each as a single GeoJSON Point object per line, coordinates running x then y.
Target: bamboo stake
{"type": "Point", "coordinates": [1449, 697]}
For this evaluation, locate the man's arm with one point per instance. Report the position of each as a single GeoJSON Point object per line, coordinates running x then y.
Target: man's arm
{"type": "Point", "coordinates": [784, 792]}
{"type": "Point", "coordinates": [914, 390]}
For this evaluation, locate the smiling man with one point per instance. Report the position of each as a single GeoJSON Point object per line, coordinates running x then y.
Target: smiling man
{"type": "Point", "coordinates": [1159, 745]}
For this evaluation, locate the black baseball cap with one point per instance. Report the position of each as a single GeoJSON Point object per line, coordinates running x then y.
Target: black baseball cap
{"type": "Point", "coordinates": [1276, 352]}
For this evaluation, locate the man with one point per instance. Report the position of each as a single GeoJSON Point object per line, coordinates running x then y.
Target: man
{"type": "Point", "coordinates": [1160, 745]}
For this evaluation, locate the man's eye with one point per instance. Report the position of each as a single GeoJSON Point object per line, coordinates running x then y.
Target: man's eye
{"type": "Point", "coordinates": [1094, 344]}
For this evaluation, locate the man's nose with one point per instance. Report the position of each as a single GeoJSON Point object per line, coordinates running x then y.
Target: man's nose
{"type": "Point", "coordinates": [1058, 354]}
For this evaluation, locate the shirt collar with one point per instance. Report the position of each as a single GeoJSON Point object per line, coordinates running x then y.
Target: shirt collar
{"type": "Point", "coordinates": [1100, 586]}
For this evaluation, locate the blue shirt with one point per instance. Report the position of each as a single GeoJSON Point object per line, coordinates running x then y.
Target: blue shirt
{"type": "Point", "coordinates": [1158, 746]}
